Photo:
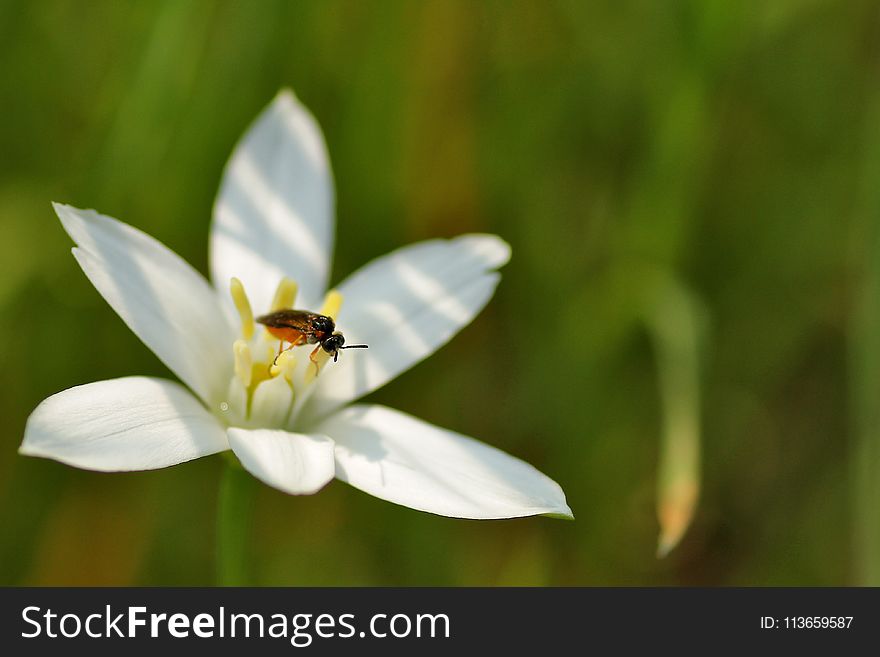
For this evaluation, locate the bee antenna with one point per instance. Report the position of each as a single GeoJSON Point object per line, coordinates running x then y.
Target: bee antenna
{"type": "Point", "coordinates": [356, 346]}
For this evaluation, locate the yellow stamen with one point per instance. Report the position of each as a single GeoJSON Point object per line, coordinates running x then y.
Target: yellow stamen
{"type": "Point", "coordinates": [243, 306]}
{"type": "Point", "coordinates": [244, 362]}
{"type": "Point", "coordinates": [284, 364]}
{"type": "Point", "coordinates": [285, 295]}
{"type": "Point", "coordinates": [332, 304]}
{"type": "Point", "coordinates": [260, 372]}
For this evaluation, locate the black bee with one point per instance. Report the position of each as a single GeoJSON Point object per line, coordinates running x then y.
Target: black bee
{"type": "Point", "coordinates": [303, 327]}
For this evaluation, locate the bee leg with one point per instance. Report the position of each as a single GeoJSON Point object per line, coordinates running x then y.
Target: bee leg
{"type": "Point", "coordinates": [282, 349]}
{"type": "Point", "coordinates": [312, 357]}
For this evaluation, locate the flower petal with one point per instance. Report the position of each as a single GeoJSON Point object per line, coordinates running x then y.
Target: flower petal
{"type": "Point", "coordinates": [295, 463]}
{"type": "Point", "coordinates": [134, 423]}
{"type": "Point", "coordinates": [406, 461]}
{"type": "Point", "coordinates": [163, 300]}
{"type": "Point", "coordinates": [405, 306]}
{"type": "Point", "coordinates": [274, 213]}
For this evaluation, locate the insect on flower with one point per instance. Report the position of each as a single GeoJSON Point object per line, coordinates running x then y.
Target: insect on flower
{"type": "Point", "coordinates": [305, 327]}
{"type": "Point", "coordinates": [286, 427]}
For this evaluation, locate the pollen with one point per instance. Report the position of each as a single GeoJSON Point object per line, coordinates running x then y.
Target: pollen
{"type": "Point", "coordinates": [285, 295]}
{"type": "Point", "coordinates": [243, 306]}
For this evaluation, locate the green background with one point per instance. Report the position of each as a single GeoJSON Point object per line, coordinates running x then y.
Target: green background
{"type": "Point", "coordinates": [733, 147]}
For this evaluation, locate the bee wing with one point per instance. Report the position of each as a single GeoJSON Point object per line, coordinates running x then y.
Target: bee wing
{"type": "Point", "coordinates": [298, 320]}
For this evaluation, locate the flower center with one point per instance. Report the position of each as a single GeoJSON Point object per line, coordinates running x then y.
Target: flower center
{"type": "Point", "coordinates": [271, 382]}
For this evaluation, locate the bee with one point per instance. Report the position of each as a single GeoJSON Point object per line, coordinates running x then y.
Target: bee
{"type": "Point", "coordinates": [303, 327]}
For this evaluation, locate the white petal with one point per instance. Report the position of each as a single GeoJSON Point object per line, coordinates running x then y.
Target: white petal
{"type": "Point", "coordinates": [296, 463]}
{"type": "Point", "coordinates": [405, 306]}
{"type": "Point", "coordinates": [401, 459]}
{"type": "Point", "coordinates": [274, 213]}
{"type": "Point", "coordinates": [271, 401]}
{"type": "Point", "coordinates": [134, 423]}
{"type": "Point", "coordinates": [167, 303]}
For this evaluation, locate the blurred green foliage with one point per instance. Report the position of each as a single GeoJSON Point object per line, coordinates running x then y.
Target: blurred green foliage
{"type": "Point", "coordinates": [722, 143]}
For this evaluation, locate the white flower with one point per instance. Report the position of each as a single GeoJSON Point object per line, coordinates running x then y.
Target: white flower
{"type": "Point", "coordinates": [290, 424]}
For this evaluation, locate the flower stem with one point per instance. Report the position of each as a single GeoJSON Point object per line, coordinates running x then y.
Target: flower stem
{"type": "Point", "coordinates": [675, 321]}
{"type": "Point", "coordinates": [234, 513]}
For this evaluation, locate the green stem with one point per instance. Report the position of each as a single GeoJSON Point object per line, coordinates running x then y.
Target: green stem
{"type": "Point", "coordinates": [675, 321]}
{"type": "Point", "coordinates": [234, 514]}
